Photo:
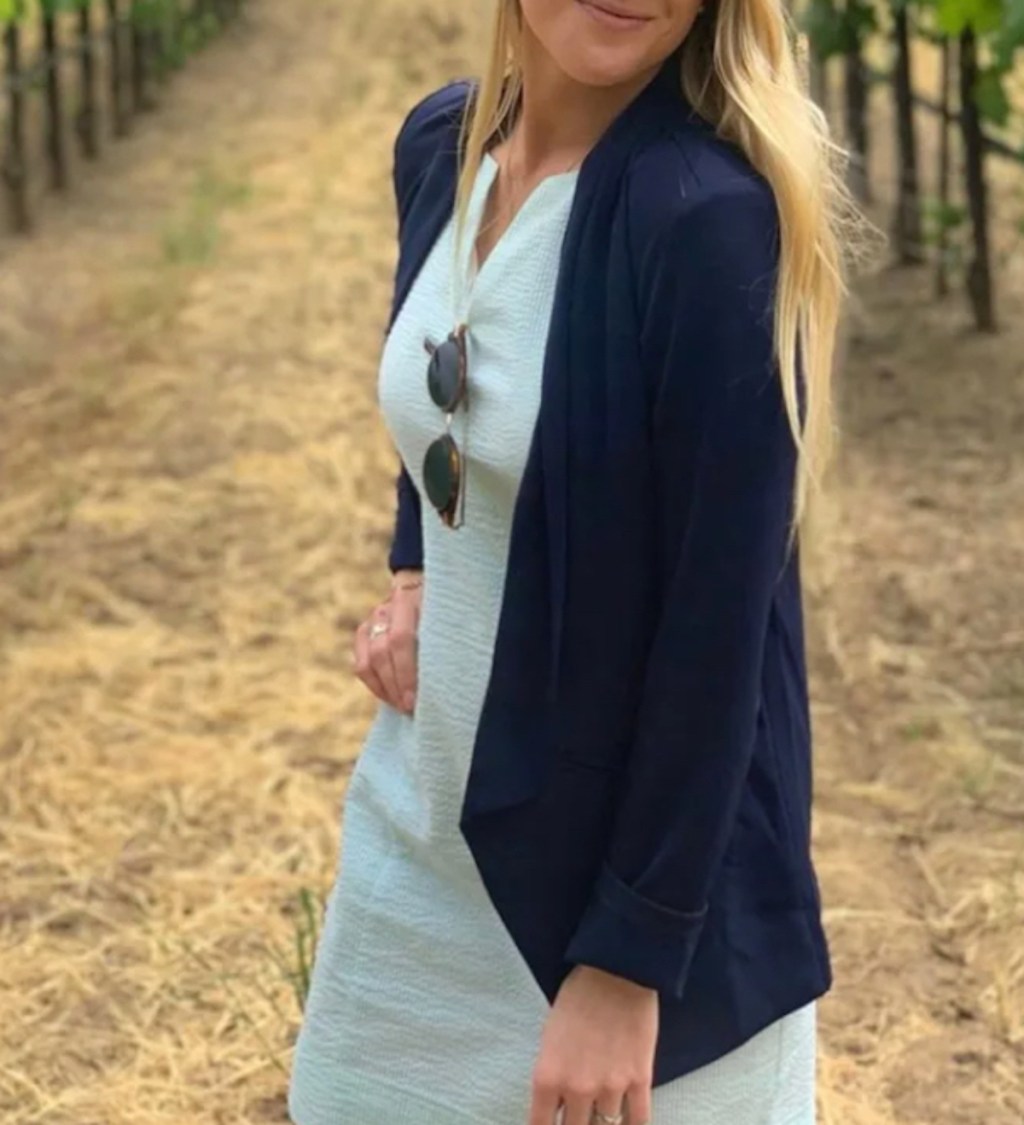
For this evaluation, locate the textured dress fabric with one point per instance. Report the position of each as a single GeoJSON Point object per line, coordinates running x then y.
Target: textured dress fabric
{"type": "Point", "coordinates": [421, 1009]}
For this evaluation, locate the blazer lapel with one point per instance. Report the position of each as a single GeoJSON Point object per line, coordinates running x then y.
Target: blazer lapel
{"type": "Point", "coordinates": [432, 208]}
{"type": "Point", "coordinates": [597, 190]}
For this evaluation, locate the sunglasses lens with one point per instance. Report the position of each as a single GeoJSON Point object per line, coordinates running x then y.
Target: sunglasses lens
{"type": "Point", "coordinates": [442, 471]}
{"type": "Point", "coordinates": [444, 376]}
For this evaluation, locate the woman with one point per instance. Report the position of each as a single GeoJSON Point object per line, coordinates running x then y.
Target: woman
{"type": "Point", "coordinates": [576, 883]}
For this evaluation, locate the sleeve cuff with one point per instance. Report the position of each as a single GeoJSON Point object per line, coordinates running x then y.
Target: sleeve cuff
{"type": "Point", "coordinates": [631, 936]}
{"type": "Point", "coordinates": [406, 551]}
{"type": "Point", "coordinates": [405, 556]}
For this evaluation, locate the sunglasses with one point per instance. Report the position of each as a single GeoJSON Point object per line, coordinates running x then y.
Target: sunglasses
{"type": "Point", "coordinates": [444, 465]}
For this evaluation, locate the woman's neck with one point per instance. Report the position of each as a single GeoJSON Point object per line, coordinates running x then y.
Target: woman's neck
{"type": "Point", "coordinates": [560, 119]}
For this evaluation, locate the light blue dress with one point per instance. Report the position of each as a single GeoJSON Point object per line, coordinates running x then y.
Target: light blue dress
{"type": "Point", "coordinates": [421, 1009]}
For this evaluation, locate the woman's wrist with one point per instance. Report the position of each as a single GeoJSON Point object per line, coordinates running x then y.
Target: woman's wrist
{"type": "Point", "coordinates": [625, 985]}
{"type": "Point", "coordinates": [407, 579]}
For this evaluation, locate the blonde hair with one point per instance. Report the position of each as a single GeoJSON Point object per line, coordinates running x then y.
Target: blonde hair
{"type": "Point", "coordinates": [739, 71]}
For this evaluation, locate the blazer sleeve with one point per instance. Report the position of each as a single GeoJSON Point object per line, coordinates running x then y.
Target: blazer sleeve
{"type": "Point", "coordinates": [406, 551]}
{"type": "Point", "coordinates": [725, 462]}
{"type": "Point", "coordinates": [424, 128]}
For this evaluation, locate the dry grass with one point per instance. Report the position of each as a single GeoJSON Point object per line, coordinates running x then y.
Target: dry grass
{"type": "Point", "coordinates": [191, 521]}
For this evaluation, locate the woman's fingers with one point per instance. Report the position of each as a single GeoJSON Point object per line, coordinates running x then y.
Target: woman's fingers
{"type": "Point", "coordinates": [638, 1104]}
{"type": "Point", "coordinates": [403, 634]}
{"type": "Point", "coordinates": [579, 1106]}
{"type": "Point", "coordinates": [363, 666]}
{"type": "Point", "coordinates": [380, 653]}
{"type": "Point", "coordinates": [553, 1101]}
{"type": "Point", "coordinates": [545, 1100]}
{"type": "Point", "coordinates": [385, 648]}
{"type": "Point", "coordinates": [596, 1051]}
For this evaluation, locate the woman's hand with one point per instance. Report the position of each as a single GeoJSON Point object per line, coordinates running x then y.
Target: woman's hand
{"type": "Point", "coordinates": [597, 1051]}
{"type": "Point", "coordinates": [385, 643]}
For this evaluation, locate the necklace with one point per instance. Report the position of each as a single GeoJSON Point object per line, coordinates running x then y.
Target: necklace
{"type": "Point", "coordinates": [504, 200]}
{"type": "Point", "coordinates": [516, 196]}
{"type": "Point", "coordinates": [508, 203]}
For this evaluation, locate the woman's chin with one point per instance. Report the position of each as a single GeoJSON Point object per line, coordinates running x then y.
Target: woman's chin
{"type": "Point", "coordinates": [597, 53]}
{"type": "Point", "coordinates": [601, 67]}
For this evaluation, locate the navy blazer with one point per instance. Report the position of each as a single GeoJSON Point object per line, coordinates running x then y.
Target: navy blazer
{"type": "Point", "coordinates": [639, 793]}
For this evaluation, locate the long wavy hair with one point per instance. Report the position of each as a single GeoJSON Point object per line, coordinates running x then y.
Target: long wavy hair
{"type": "Point", "coordinates": [739, 69]}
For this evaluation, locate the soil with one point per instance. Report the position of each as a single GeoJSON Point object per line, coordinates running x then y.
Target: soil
{"type": "Point", "coordinates": [195, 504]}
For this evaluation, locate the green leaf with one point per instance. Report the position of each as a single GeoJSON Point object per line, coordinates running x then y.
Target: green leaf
{"type": "Point", "coordinates": [56, 7]}
{"type": "Point", "coordinates": [832, 30]}
{"type": "Point", "coordinates": [823, 26]}
{"type": "Point", "coordinates": [990, 96]}
{"type": "Point", "coordinates": [861, 20]}
{"type": "Point", "coordinates": [1010, 35]}
{"type": "Point", "coordinates": [953, 16]}
{"type": "Point", "coordinates": [12, 10]}
{"type": "Point", "coordinates": [942, 216]}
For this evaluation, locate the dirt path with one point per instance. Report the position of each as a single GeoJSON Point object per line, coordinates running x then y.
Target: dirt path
{"type": "Point", "coordinates": [191, 522]}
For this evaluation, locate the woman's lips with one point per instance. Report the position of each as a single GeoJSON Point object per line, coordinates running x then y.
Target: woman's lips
{"type": "Point", "coordinates": [612, 16]}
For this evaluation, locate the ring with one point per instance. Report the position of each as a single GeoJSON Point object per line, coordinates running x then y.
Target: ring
{"type": "Point", "coordinates": [379, 628]}
{"type": "Point", "coordinates": [608, 1118]}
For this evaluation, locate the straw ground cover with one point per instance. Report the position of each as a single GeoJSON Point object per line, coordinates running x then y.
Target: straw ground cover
{"type": "Point", "coordinates": [194, 510]}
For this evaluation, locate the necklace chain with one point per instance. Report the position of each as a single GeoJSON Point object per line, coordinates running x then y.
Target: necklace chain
{"type": "Point", "coordinates": [507, 205]}
{"type": "Point", "coordinates": [516, 180]}
{"type": "Point", "coordinates": [514, 197]}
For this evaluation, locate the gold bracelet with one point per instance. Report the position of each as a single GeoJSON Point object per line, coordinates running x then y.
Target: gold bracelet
{"type": "Point", "coordinates": [408, 585]}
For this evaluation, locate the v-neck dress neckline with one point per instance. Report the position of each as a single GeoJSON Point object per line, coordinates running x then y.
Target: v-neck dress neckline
{"type": "Point", "coordinates": [469, 272]}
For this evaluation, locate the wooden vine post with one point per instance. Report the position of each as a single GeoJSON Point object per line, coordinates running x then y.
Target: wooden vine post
{"type": "Point", "coordinates": [138, 48]}
{"type": "Point", "coordinates": [15, 173]}
{"type": "Point", "coordinates": [87, 121]}
{"type": "Point", "coordinates": [856, 102]}
{"type": "Point", "coordinates": [979, 269]}
{"type": "Point", "coordinates": [115, 43]}
{"type": "Point", "coordinates": [907, 234]}
{"type": "Point", "coordinates": [943, 178]}
{"type": "Point", "coordinates": [54, 111]}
